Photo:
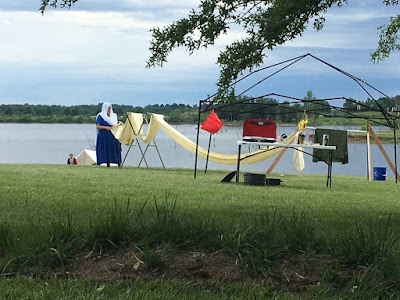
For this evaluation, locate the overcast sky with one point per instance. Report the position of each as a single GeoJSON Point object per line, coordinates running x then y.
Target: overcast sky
{"type": "Point", "coordinates": [97, 52]}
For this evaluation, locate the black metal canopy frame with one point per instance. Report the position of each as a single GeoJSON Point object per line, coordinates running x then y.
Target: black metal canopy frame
{"type": "Point", "coordinates": [387, 118]}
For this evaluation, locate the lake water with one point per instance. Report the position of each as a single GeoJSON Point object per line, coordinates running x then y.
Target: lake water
{"type": "Point", "coordinates": [51, 144]}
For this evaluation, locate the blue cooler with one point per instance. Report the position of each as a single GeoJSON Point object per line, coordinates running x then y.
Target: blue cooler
{"type": "Point", "coordinates": [380, 173]}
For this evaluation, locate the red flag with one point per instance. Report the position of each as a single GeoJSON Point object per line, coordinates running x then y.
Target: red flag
{"type": "Point", "coordinates": [212, 124]}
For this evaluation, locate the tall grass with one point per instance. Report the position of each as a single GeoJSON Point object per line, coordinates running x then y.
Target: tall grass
{"type": "Point", "coordinates": [52, 288]}
{"type": "Point", "coordinates": [258, 244]}
{"type": "Point", "coordinates": [43, 226]}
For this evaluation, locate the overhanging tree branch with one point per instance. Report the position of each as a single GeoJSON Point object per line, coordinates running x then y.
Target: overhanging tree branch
{"type": "Point", "coordinates": [388, 39]}
{"type": "Point", "coordinates": [56, 3]}
{"type": "Point", "coordinates": [266, 24]}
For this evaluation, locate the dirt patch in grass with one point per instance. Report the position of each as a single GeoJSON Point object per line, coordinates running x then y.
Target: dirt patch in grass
{"type": "Point", "coordinates": [298, 272]}
{"type": "Point", "coordinates": [292, 271]}
{"type": "Point", "coordinates": [160, 263]}
{"type": "Point", "coordinates": [295, 272]}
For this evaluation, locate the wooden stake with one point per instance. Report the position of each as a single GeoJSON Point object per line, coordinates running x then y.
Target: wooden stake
{"type": "Point", "coordinates": [368, 158]}
{"type": "Point", "coordinates": [378, 142]}
{"type": "Point", "coordinates": [277, 159]}
{"type": "Point", "coordinates": [275, 162]}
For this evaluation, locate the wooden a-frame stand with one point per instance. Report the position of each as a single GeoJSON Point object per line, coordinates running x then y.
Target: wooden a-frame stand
{"type": "Point", "coordinates": [136, 143]}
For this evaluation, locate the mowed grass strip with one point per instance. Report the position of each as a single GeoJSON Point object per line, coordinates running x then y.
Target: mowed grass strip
{"type": "Point", "coordinates": [41, 191]}
{"type": "Point", "coordinates": [50, 213]}
{"type": "Point", "coordinates": [34, 289]}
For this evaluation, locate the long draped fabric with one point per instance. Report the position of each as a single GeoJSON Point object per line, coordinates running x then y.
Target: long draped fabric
{"type": "Point", "coordinates": [124, 134]}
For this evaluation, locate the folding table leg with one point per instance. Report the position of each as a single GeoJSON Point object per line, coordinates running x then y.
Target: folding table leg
{"type": "Point", "coordinates": [238, 163]}
{"type": "Point", "coordinates": [329, 177]}
{"type": "Point", "coordinates": [330, 173]}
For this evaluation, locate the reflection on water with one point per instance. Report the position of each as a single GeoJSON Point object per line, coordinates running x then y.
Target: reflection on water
{"type": "Point", "coordinates": [51, 144]}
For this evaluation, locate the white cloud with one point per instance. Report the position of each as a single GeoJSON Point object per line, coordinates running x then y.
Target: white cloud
{"type": "Point", "coordinates": [162, 4]}
{"type": "Point", "coordinates": [94, 38]}
{"type": "Point", "coordinates": [354, 16]}
{"type": "Point", "coordinates": [100, 48]}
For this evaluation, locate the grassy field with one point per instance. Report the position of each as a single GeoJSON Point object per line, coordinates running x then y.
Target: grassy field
{"type": "Point", "coordinates": [171, 235]}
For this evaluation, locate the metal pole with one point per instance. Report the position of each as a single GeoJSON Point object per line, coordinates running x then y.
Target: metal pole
{"type": "Point", "coordinates": [197, 139]}
{"type": "Point", "coordinates": [208, 153]}
{"type": "Point", "coordinates": [368, 158]}
{"type": "Point", "coordinates": [238, 162]}
{"type": "Point", "coordinates": [330, 170]}
{"type": "Point", "coordinates": [159, 155]}
{"type": "Point", "coordinates": [329, 178]}
{"type": "Point", "coordinates": [395, 150]}
{"type": "Point", "coordinates": [368, 155]}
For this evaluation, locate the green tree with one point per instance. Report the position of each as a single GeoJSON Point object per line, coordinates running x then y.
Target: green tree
{"type": "Point", "coordinates": [8, 110]}
{"type": "Point", "coordinates": [350, 104]}
{"type": "Point", "coordinates": [27, 109]}
{"type": "Point", "coordinates": [67, 111]}
{"type": "Point", "coordinates": [56, 3]}
{"type": "Point", "coordinates": [388, 37]}
{"type": "Point", "coordinates": [386, 103]}
{"type": "Point", "coordinates": [371, 103]}
{"type": "Point", "coordinates": [285, 112]}
{"type": "Point", "coordinates": [270, 110]}
{"type": "Point", "coordinates": [75, 111]}
{"type": "Point", "coordinates": [175, 116]}
{"type": "Point", "coordinates": [297, 115]}
{"type": "Point", "coordinates": [314, 107]}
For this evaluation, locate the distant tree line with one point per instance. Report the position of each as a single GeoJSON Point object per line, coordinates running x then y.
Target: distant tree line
{"type": "Point", "coordinates": [292, 111]}
{"type": "Point", "coordinates": [27, 113]}
{"type": "Point", "coordinates": [243, 107]}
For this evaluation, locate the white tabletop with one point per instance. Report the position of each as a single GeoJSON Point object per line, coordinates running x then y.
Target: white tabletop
{"type": "Point", "coordinates": [282, 145]}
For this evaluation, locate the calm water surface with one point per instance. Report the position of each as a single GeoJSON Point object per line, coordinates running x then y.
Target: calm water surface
{"type": "Point", "coordinates": [51, 144]}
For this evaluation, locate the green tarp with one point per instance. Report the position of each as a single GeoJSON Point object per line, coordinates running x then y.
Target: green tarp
{"type": "Point", "coordinates": [337, 138]}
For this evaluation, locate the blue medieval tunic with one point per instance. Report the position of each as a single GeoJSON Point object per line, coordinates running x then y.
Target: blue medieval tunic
{"type": "Point", "coordinates": [108, 149]}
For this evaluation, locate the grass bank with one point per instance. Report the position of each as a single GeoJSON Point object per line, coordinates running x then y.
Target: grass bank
{"type": "Point", "coordinates": [168, 229]}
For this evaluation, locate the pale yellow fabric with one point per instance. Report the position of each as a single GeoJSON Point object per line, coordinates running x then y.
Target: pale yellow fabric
{"type": "Point", "coordinates": [152, 129]}
{"type": "Point", "coordinates": [124, 132]}
{"type": "Point", "coordinates": [133, 127]}
{"type": "Point", "coordinates": [302, 125]}
{"type": "Point", "coordinates": [215, 157]}
{"type": "Point", "coordinates": [157, 121]}
{"type": "Point", "coordinates": [298, 157]}
{"type": "Point", "coordinates": [137, 122]}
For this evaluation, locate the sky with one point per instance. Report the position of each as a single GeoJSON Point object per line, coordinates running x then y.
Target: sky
{"type": "Point", "coordinates": [97, 52]}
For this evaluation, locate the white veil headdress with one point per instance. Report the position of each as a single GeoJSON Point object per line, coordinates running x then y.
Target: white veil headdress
{"type": "Point", "coordinates": [111, 119]}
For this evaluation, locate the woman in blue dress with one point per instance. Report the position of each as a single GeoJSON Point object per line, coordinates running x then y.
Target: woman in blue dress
{"type": "Point", "coordinates": [108, 149]}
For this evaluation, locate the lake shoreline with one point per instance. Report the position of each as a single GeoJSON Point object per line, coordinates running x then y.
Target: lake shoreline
{"type": "Point", "coordinates": [386, 136]}
{"type": "Point", "coordinates": [52, 143]}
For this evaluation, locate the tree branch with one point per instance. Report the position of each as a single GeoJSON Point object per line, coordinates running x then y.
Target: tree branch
{"type": "Point", "coordinates": [55, 3]}
{"type": "Point", "coordinates": [388, 39]}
